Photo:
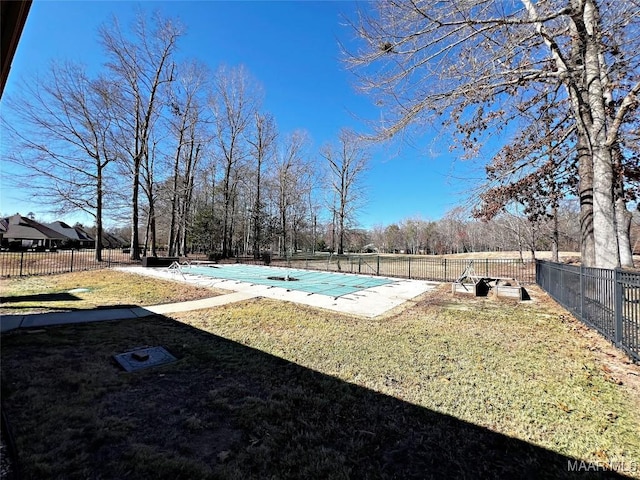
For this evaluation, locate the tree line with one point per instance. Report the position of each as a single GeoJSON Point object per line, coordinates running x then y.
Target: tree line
{"type": "Point", "coordinates": [187, 157]}
{"type": "Point", "coordinates": [455, 233]}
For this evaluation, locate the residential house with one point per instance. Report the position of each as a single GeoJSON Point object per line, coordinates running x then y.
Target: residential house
{"type": "Point", "coordinates": [78, 237]}
{"type": "Point", "coordinates": [22, 233]}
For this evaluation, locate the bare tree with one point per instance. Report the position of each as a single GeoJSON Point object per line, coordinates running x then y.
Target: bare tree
{"type": "Point", "coordinates": [477, 65]}
{"type": "Point", "coordinates": [186, 122]}
{"type": "Point", "coordinates": [141, 65]}
{"type": "Point", "coordinates": [262, 143]}
{"type": "Point", "coordinates": [236, 98]}
{"type": "Point", "coordinates": [393, 238]}
{"type": "Point", "coordinates": [290, 180]}
{"type": "Point", "coordinates": [347, 162]}
{"type": "Point", "coordinates": [453, 231]}
{"type": "Point", "coordinates": [64, 140]}
{"type": "Point", "coordinates": [148, 184]}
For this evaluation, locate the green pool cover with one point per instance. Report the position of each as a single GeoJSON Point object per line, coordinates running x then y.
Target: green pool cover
{"type": "Point", "coordinates": [322, 283]}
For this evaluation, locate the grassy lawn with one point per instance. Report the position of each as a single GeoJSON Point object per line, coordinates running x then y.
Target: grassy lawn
{"type": "Point", "coordinates": [91, 289]}
{"type": "Point", "coordinates": [449, 387]}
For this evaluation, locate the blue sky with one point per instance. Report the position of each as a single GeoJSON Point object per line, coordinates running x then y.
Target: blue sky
{"type": "Point", "coordinates": [292, 49]}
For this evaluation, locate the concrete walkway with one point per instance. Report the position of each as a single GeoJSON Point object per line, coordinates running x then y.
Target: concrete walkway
{"type": "Point", "coordinates": [34, 320]}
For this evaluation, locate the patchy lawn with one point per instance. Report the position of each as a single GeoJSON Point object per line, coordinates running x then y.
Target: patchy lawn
{"type": "Point", "coordinates": [450, 387]}
{"type": "Point", "coordinates": [92, 289]}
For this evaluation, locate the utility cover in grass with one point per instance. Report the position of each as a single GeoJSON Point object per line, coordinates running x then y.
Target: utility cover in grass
{"type": "Point", "coordinates": [144, 358]}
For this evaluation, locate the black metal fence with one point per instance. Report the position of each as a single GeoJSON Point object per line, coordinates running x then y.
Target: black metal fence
{"type": "Point", "coordinates": [61, 261]}
{"type": "Point", "coordinates": [410, 266]}
{"type": "Point", "coordinates": [607, 300]}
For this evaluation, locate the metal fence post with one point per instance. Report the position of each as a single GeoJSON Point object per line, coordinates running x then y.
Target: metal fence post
{"type": "Point", "coordinates": [618, 293]}
{"type": "Point", "coordinates": [378, 265]}
{"type": "Point", "coordinates": [72, 260]}
{"type": "Point", "coordinates": [409, 267]}
{"type": "Point", "coordinates": [582, 273]}
{"type": "Point", "coordinates": [359, 264]}
{"type": "Point", "coordinates": [561, 290]}
{"type": "Point", "coordinates": [21, 262]}
{"type": "Point", "coordinates": [486, 267]}
{"type": "Point", "coordinates": [445, 270]}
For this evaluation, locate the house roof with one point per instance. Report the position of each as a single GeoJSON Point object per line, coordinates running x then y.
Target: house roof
{"type": "Point", "coordinates": [111, 241]}
{"type": "Point", "coordinates": [75, 233]}
{"type": "Point", "coordinates": [13, 15]}
{"type": "Point", "coordinates": [23, 228]}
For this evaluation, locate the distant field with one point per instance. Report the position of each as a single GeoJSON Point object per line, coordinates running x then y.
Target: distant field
{"type": "Point", "coordinates": [540, 255]}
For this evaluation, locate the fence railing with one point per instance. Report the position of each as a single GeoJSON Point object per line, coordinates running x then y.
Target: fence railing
{"type": "Point", "coordinates": [607, 300]}
{"type": "Point", "coordinates": [61, 261]}
{"type": "Point", "coordinates": [413, 267]}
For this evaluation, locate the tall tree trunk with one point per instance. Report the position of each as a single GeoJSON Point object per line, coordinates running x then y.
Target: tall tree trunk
{"type": "Point", "coordinates": [623, 230]}
{"type": "Point", "coordinates": [604, 219]}
{"type": "Point", "coordinates": [184, 226]}
{"type": "Point", "coordinates": [98, 244]}
{"type": "Point", "coordinates": [256, 213]}
{"type": "Point", "coordinates": [533, 242]}
{"type": "Point", "coordinates": [192, 160]}
{"type": "Point", "coordinates": [555, 235]}
{"type": "Point", "coordinates": [232, 212]}
{"type": "Point", "coordinates": [623, 216]}
{"type": "Point", "coordinates": [585, 187]}
{"type": "Point", "coordinates": [174, 200]}
{"type": "Point", "coordinates": [152, 227]}
{"type": "Point", "coordinates": [341, 227]}
{"type": "Point", "coordinates": [604, 215]}
{"type": "Point", "coordinates": [283, 225]}
{"type": "Point", "coordinates": [226, 241]}
{"type": "Point", "coordinates": [146, 238]}
{"type": "Point", "coordinates": [135, 240]}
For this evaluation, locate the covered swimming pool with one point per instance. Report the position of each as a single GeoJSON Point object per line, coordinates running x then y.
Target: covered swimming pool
{"type": "Point", "coordinates": [312, 282]}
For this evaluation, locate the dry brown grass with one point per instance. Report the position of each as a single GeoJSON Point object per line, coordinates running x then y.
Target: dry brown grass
{"type": "Point", "coordinates": [449, 387]}
{"type": "Point", "coordinates": [98, 288]}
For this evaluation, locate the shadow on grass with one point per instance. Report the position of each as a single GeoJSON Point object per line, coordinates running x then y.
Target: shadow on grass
{"type": "Point", "coordinates": [41, 297]}
{"type": "Point", "coordinates": [225, 410]}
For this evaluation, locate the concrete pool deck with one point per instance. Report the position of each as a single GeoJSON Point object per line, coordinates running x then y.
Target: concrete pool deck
{"type": "Point", "coordinates": [368, 302]}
